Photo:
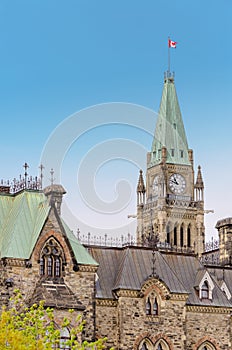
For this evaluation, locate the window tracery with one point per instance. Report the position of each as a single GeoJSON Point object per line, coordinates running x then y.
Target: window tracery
{"type": "Point", "coordinates": [51, 259]}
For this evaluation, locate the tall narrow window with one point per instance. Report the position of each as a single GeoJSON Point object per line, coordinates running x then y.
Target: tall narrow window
{"type": "Point", "coordinates": [42, 266]}
{"type": "Point", "coordinates": [175, 236]}
{"type": "Point", "coordinates": [148, 307]}
{"type": "Point", "coordinates": [181, 236]}
{"type": "Point", "coordinates": [155, 307]}
{"type": "Point", "coordinates": [168, 234]}
{"type": "Point", "coordinates": [189, 236]}
{"type": "Point", "coordinates": [50, 266]}
{"type": "Point", "coordinates": [57, 267]}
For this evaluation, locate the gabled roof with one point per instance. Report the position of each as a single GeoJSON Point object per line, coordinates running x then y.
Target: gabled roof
{"type": "Point", "coordinates": [170, 132]}
{"type": "Point", "coordinates": [22, 217]}
{"type": "Point", "coordinates": [190, 272]}
{"type": "Point", "coordinates": [129, 267]}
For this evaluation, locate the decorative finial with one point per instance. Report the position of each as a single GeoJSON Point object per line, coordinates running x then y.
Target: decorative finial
{"type": "Point", "coordinates": [26, 166]}
{"type": "Point", "coordinates": [52, 179]}
{"type": "Point", "coordinates": [41, 167]}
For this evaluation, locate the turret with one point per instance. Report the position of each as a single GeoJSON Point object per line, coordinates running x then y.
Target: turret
{"type": "Point", "coordinates": [141, 190]}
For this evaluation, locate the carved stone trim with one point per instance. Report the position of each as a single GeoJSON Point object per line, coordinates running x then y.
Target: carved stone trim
{"type": "Point", "coordinates": [106, 302]}
{"type": "Point", "coordinates": [13, 262]}
{"type": "Point", "coordinates": [208, 309]}
{"type": "Point", "coordinates": [87, 268]}
{"type": "Point", "coordinates": [156, 284]}
{"type": "Point", "coordinates": [179, 297]}
{"type": "Point", "coordinates": [127, 293]}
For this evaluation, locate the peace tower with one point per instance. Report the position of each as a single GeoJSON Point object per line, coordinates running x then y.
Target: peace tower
{"type": "Point", "coordinates": [170, 208]}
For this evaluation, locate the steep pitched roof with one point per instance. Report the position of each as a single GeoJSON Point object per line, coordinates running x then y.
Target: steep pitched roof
{"type": "Point", "coordinates": [190, 272]}
{"type": "Point", "coordinates": [21, 220]}
{"type": "Point", "coordinates": [22, 217]}
{"type": "Point", "coordinates": [130, 267]}
{"type": "Point", "coordinates": [170, 132]}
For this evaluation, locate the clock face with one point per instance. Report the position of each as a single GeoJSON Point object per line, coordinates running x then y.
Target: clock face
{"type": "Point", "coordinates": [156, 184]}
{"type": "Point", "coordinates": [177, 183]}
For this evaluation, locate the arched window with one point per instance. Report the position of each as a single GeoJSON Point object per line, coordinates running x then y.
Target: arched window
{"type": "Point", "coordinates": [152, 305]}
{"type": "Point", "coordinates": [189, 236]}
{"type": "Point", "coordinates": [144, 346]}
{"type": "Point", "coordinates": [148, 307]}
{"type": "Point", "coordinates": [205, 290]}
{"type": "Point", "coordinates": [155, 307]}
{"type": "Point", "coordinates": [181, 236]}
{"type": "Point", "coordinates": [168, 234]}
{"type": "Point", "coordinates": [51, 259]}
{"type": "Point", "coordinates": [206, 346]}
{"type": "Point", "coordinates": [175, 236]}
{"type": "Point", "coordinates": [161, 345]}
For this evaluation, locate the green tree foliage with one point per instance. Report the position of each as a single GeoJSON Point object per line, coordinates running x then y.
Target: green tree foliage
{"type": "Point", "coordinates": [33, 328]}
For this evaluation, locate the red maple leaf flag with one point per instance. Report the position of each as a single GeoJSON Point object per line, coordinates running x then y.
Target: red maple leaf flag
{"type": "Point", "coordinates": [172, 43]}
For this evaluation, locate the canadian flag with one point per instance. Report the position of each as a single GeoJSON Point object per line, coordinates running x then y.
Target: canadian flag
{"type": "Point", "coordinates": [172, 43]}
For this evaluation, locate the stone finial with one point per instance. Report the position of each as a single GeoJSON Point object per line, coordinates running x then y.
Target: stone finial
{"type": "Point", "coordinates": [141, 187]}
{"type": "Point", "coordinates": [199, 181]}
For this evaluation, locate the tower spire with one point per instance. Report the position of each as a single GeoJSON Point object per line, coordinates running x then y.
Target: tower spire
{"type": "Point", "coordinates": [170, 132]}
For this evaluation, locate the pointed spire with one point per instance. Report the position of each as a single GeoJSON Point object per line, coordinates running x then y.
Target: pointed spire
{"type": "Point", "coordinates": [199, 181]}
{"type": "Point", "coordinates": [170, 132]}
{"type": "Point", "coordinates": [141, 187]}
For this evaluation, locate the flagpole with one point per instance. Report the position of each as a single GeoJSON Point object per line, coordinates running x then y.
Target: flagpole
{"type": "Point", "coordinates": [168, 56]}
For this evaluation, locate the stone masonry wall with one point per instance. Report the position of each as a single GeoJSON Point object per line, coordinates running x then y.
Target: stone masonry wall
{"type": "Point", "coordinates": [134, 324]}
{"type": "Point", "coordinates": [107, 323]}
{"type": "Point", "coordinates": [212, 326]}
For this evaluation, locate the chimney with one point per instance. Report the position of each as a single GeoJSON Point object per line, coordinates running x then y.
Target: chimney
{"type": "Point", "coordinates": [55, 194]}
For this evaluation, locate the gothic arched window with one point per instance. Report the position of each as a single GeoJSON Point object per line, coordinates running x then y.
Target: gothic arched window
{"type": "Point", "coordinates": [148, 307]}
{"type": "Point", "coordinates": [206, 346]}
{"type": "Point", "coordinates": [152, 305]}
{"type": "Point", "coordinates": [155, 307]}
{"type": "Point", "coordinates": [175, 236]}
{"type": "Point", "coordinates": [181, 236]}
{"type": "Point", "coordinates": [168, 234]}
{"type": "Point", "coordinates": [51, 259]}
{"type": "Point", "coordinates": [189, 236]}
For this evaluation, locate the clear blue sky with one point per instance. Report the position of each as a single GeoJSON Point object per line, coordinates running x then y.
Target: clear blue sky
{"type": "Point", "coordinates": [58, 57]}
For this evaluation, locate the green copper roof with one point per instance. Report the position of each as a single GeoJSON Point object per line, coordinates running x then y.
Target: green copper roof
{"type": "Point", "coordinates": [22, 217]}
{"type": "Point", "coordinates": [80, 252]}
{"type": "Point", "coordinates": [21, 221]}
{"type": "Point", "coordinates": [169, 130]}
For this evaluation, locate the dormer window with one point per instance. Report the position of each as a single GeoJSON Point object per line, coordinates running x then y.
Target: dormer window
{"type": "Point", "coordinates": [206, 286]}
{"type": "Point", "coordinates": [205, 290]}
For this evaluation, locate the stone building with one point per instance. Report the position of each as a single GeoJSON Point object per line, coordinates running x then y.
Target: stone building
{"type": "Point", "coordinates": [163, 292]}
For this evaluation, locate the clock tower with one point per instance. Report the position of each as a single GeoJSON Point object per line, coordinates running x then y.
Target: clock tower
{"type": "Point", "coordinates": [171, 205]}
